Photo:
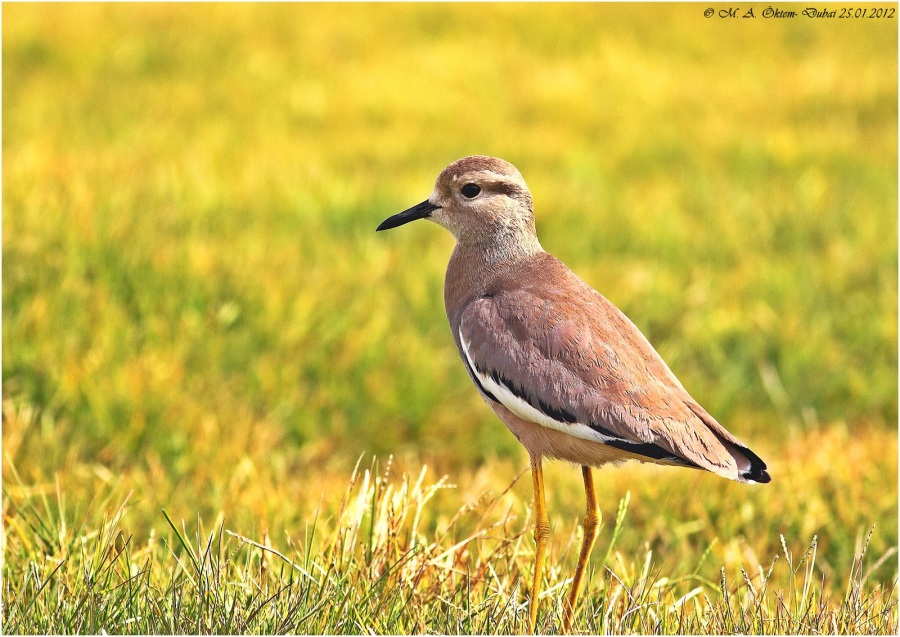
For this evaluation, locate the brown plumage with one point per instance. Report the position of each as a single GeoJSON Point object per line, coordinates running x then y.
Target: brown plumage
{"type": "Point", "coordinates": [567, 372]}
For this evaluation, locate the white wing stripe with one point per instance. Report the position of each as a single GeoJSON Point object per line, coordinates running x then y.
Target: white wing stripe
{"type": "Point", "coordinates": [525, 411]}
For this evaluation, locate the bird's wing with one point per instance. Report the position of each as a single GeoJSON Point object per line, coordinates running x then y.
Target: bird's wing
{"type": "Point", "coordinates": [578, 365]}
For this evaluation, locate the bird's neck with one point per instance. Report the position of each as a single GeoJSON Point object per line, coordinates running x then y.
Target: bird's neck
{"type": "Point", "coordinates": [504, 246]}
{"type": "Point", "coordinates": [476, 267]}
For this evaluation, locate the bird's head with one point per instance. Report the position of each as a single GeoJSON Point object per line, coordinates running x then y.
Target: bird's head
{"type": "Point", "coordinates": [478, 199]}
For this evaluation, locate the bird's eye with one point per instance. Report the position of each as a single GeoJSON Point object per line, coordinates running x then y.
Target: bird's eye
{"type": "Point", "coordinates": [471, 190]}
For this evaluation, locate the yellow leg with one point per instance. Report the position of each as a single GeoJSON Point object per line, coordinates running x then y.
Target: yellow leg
{"type": "Point", "coordinates": [591, 528]}
{"type": "Point", "coordinates": [541, 534]}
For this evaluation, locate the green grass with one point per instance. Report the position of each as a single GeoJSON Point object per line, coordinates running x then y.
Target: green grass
{"type": "Point", "coordinates": [376, 565]}
{"type": "Point", "coordinates": [199, 318]}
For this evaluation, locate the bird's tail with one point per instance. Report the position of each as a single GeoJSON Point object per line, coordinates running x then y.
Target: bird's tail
{"type": "Point", "coordinates": [750, 467]}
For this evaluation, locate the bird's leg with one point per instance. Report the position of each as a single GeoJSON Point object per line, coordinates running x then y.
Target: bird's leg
{"type": "Point", "coordinates": [591, 527]}
{"type": "Point", "coordinates": [541, 534]}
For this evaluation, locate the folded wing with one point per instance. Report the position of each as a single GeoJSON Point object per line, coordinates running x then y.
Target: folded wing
{"type": "Point", "coordinates": [582, 367]}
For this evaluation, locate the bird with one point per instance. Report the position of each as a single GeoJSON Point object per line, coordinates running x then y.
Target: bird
{"type": "Point", "coordinates": [563, 368]}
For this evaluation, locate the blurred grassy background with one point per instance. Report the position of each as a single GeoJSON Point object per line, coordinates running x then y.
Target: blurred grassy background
{"type": "Point", "coordinates": [196, 306]}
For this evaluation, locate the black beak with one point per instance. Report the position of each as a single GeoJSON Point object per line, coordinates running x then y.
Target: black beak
{"type": "Point", "coordinates": [420, 211]}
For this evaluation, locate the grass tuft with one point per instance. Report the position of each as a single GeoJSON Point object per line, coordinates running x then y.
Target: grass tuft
{"type": "Point", "coordinates": [375, 567]}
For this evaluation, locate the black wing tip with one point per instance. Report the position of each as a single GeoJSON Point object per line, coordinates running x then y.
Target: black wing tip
{"type": "Point", "coordinates": [757, 471]}
{"type": "Point", "coordinates": [758, 475]}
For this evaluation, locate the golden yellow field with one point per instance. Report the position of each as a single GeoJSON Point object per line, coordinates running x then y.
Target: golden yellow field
{"type": "Point", "coordinates": [198, 317]}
